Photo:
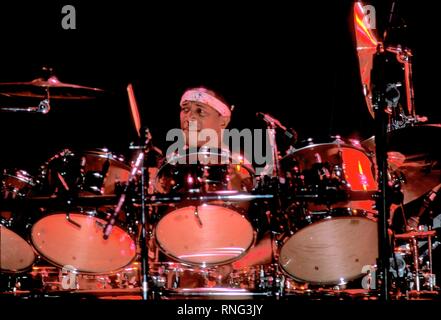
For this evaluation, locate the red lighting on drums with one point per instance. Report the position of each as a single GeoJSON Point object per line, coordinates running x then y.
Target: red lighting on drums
{"type": "Point", "coordinates": [358, 170]}
{"type": "Point", "coordinates": [311, 214]}
{"type": "Point", "coordinates": [363, 178]}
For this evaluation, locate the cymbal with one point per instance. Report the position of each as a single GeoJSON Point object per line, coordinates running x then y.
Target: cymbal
{"type": "Point", "coordinates": [366, 43]}
{"type": "Point", "coordinates": [421, 138]}
{"type": "Point", "coordinates": [40, 88]}
{"type": "Point", "coordinates": [414, 156]}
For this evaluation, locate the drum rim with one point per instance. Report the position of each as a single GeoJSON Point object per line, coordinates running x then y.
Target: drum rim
{"type": "Point", "coordinates": [342, 145]}
{"type": "Point", "coordinates": [27, 177]}
{"type": "Point", "coordinates": [115, 160]}
{"type": "Point", "coordinates": [371, 217]}
{"type": "Point", "coordinates": [317, 283]}
{"type": "Point", "coordinates": [203, 265]}
{"type": "Point", "coordinates": [132, 237]}
{"type": "Point", "coordinates": [216, 291]}
{"type": "Point", "coordinates": [155, 265]}
{"type": "Point", "coordinates": [227, 154]}
{"type": "Point", "coordinates": [103, 153]}
{"type": "Point", "coordinates": [248, 167]}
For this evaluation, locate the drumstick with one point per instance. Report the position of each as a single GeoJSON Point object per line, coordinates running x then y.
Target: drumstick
{"type": "Point", "coordinates": [134, 109]}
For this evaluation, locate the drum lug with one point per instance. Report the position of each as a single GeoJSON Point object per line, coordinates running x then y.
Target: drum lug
{"type": "Point", "coordinates": [279, 283]}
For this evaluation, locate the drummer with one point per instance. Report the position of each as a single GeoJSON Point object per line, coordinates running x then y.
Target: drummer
{"type": "Point", "coordinates": [202, 108]}
{"type": "Point", "coordinates": [204, 115]}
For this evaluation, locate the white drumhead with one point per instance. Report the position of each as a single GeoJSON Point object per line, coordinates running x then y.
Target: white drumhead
{"type": "Point", "coordinates": [222, 236]}
{"type": "Point", "coordinates": [84, 248]}
{"type": "Point", "coordinates": [15, 253]}
{"type": "Point", "coordinates": [330, 251]}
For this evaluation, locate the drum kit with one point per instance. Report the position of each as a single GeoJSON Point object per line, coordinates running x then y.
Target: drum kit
{"type": "Point", "coordinates": [92, 223]}
{"type": "Point", "coordinates": [202, 218]}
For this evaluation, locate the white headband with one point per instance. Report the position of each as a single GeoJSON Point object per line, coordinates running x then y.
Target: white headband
{"type": "Point", "coordinates": [203, 97]}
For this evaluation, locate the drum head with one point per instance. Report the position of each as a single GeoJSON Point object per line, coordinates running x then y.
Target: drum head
{"type": "Point", "coordinates": [204, 235]}
{"type": "Point", "coordinates": [81, 244]}
{"type": "Point", "coordinates": [331, 251]}
{"type": "Point", "coordinates": [15, 253]}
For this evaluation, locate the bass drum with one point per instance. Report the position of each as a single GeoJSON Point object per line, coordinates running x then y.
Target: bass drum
{"type": "Point", "coordinates": [205, 232]}
{"type": "Point", "coordinates": [16, 254]}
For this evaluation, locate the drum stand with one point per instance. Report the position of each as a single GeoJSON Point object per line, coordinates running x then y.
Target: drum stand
{"type": "Point", "coordinates": [419, 275]}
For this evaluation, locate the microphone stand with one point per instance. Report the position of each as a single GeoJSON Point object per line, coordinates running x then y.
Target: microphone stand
{"type": "Point", "coordinates": [144, 149]}
{"type": "Point", "coordinates": [272, 125]}
{"type": "Point", "coordinates": [381, 125]}
{"type": "Point", "coordinates": [144, 222]}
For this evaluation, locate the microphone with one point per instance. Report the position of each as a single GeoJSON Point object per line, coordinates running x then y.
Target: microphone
{"type": "Point", "coordinates": [266, 117]}
{"type": "Point", "coordinates": [290, 132]}
{"type": "Point", "coordinates": [147, 145]}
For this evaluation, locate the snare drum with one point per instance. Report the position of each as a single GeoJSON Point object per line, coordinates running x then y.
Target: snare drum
{"type": "Point", "coordinates": [90, 172]}
{"type": "Point", "coordinates": [205, 232]}
{"type": "Point", "coordinates": [16, 255]}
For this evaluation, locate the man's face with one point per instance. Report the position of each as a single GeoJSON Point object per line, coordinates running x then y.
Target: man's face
{"type": "Point", "coordinates": [203, 117]}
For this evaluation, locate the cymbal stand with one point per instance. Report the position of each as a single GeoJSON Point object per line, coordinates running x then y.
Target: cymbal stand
{"type": "Point", "coordinates": [380, 104]}
{"type": "Point", "coordinates": [139, 165]}
{"type": "Point", "coordinates": [405, 117]}
{"type": "Point", "coordinates": [43, 107]}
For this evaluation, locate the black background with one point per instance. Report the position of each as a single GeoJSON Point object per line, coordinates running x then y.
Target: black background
{"type": "Point", "coordinates": [294, 60]}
